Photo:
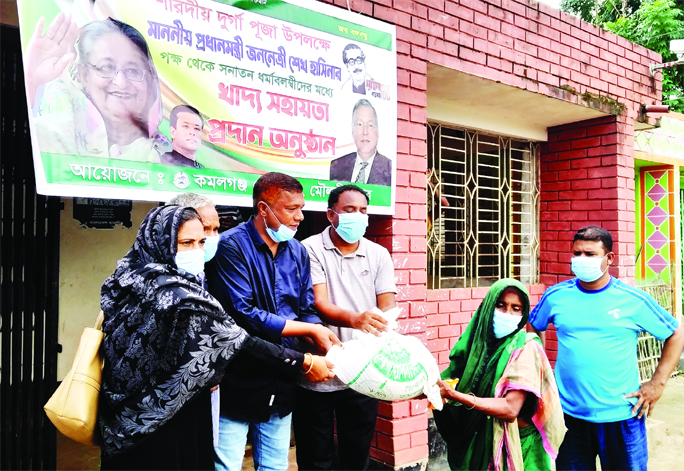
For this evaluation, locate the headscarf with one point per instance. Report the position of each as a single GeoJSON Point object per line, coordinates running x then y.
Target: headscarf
{"type": "Point", "coordinates": [69, 122]}
{"type": "Point", "coordinates": [89, 34]}
{"type": "Point", "coordinates": [166, 338]}
{"type": "Point", "coordinates": [478, 359]}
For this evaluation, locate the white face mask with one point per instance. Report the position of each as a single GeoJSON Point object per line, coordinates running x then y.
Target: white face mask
{"type": "Point", "coordinates": [191, 261]}
{"type": "Point", "coordinates": [505, 323]}
{"type": "Point", "coordinates": [210, 247]}
{"type": "Point", "coordinates": [351, 226]}
{"type": "Point", "coordinates": [588, 269]}
{"type": "Point", "coordinates": [283, 234]}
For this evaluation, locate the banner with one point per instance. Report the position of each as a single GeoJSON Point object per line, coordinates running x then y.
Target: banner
{"type": "Point", "coordinates": [143, 99]}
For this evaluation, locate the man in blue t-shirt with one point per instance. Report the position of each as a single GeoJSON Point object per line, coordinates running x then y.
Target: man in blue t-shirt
{"type": "Point", "coordinates": [598, 319]}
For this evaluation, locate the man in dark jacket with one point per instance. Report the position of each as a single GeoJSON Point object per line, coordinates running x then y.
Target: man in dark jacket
{"type": "Point", "coordinates": [262, 277]}
{"type": "Point", "coordinates": [186, 125]}
{"type": "Point", "coordinates": [365, 165]}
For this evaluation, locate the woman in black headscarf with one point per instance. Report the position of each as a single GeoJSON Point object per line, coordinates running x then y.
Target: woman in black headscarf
{"type": "Point", "coordinates": [167, 341]}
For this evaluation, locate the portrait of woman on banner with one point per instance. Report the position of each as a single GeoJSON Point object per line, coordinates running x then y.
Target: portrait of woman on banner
{"type": "Point", "coordinates": [94, 91]}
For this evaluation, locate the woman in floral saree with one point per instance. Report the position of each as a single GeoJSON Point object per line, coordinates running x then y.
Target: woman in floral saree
{"type": "Point", "coordinates": [504, 413]}
{"type": "Point", "coordinates": [167, 342]}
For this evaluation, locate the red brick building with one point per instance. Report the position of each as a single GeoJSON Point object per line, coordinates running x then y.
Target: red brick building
{"type": "Point", "coordinates": [556, 99]}
{"type": "Point", "coordinates": [515, 128]}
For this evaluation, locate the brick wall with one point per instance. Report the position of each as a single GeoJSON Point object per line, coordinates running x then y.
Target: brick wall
{"type": "Point", "coordinates": [401, 432]}
{"type": "Point", "coordinates": [450, 311]}
{"type": "Point", "coordinates": [587, 174]}
{"type": "Point", "coordinates": [533, 47]}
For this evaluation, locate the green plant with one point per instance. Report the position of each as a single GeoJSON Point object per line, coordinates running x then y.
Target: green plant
{"type": "Point", "coordinates": [649, 23]}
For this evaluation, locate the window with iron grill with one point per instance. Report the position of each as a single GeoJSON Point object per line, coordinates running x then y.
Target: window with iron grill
{"type": "Point", "coordinates": [483, 208]}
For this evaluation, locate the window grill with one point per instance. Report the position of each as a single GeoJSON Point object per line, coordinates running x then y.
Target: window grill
{"type": "Point", "coordinates": [483, 209]}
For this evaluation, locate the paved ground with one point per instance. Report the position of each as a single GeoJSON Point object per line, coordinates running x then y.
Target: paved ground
{"type": "Point", "coordinates": [665, 436]}
{"type": "Point", "coordinates": [74, 456]}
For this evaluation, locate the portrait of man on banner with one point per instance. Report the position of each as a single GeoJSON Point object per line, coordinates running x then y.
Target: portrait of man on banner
{"type": "Point", "coordinates": [355, 60]}
{"type": "Point", "coordinates": [366, 165]}
{"type": "Point", "coordinates": [185, 124]}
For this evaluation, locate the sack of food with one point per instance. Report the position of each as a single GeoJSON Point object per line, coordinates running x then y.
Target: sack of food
{"type": "Point", "coordinates": [390, 367]}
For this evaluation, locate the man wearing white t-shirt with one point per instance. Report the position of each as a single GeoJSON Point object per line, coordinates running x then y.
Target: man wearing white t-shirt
{"type": "Point", "coordinates": [350, 275]}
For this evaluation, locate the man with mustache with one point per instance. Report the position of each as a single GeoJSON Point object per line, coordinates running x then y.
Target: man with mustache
{"type": "Point", "coordinates": [262, 277]}
{"type": "Point", "coordinates": [365, 165]}
{"type": "Point", "coordinates": [355, 60]}
{"type": "Point", "coordinates": [186, 125]}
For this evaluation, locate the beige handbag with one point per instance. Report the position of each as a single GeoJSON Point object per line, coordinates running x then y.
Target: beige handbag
{"type": "Point", "coordinates": [73, 406]}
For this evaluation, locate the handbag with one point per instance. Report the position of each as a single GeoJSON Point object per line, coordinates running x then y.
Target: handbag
{"type": "Point", "coordinates": [73, 406]}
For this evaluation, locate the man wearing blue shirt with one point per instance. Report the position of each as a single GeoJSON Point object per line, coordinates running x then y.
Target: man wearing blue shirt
{"type": "Point", "coordinates": [262, 277]}
{"type": "Point", "coordinates": [598, 319]}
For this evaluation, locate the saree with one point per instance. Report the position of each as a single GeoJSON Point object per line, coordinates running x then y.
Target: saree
{"type": "Point", "coordinates": [479, 360]}
{"type": "Point", "coordinates": [166, 338]}
{"type": "Point", "coordinates": [67, 122]}
{"type": "Point", "coordinates": [534, 446]}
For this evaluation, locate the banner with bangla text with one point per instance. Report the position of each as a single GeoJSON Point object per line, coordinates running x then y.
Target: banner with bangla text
{"type": "Point", "coordinates": [143, 99]}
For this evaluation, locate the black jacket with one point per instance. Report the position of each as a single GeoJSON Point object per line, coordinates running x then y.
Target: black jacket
{"type": "Point", "coordinates": [341, 169]}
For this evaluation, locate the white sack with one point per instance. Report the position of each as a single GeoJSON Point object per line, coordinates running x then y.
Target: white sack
{"type": "Point", "coordinates": [390, 367]}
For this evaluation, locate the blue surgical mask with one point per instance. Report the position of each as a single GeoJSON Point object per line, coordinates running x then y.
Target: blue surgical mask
{"type": "Point", "coordinates": [588, 269]}
{"type": "Point", "coordinates": [210, 247]}
{"type": "Point", "coordinates": [351, 226]}
{"type": "Point", "coordinates": [505, 323]}
{"type": "Point", "coordinates": [192, 261]}
{"type": "Point", "coordinates": [283, 234]}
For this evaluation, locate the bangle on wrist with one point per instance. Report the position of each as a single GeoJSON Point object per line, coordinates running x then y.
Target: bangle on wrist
{"type": "Point", "coordinates": [311, 365]}
{"type": "Point", "coordinates": [474, 402]}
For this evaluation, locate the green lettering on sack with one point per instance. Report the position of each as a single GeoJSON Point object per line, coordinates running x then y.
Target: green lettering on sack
{"type": "Point", "coordinates": [394, 362]}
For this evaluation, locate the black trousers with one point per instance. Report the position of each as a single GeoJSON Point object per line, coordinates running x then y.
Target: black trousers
{"type": "Point", "coordinates": [184, 442]}
{"type": "Point", "coordinates": [313, 422]}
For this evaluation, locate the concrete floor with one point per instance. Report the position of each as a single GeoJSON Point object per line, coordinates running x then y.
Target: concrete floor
{"type": "Point", "coordinates": [72, 456]}
{"type": "Point", "coordinates": [665, 439]}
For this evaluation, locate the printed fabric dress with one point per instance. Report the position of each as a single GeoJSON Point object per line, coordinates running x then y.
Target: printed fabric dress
{"type": "Point", "coordinates": [490, 367]}
{"type": "Point", "coordinates": [167, 342]}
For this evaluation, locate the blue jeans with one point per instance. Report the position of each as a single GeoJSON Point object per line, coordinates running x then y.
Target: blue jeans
{"type": "Point", "coordinates": [270, 443]}
{"type": "Point", "coordinates": [619, 445]}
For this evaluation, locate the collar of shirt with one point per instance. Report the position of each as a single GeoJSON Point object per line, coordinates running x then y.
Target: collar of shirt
{"type": "Point", "coordinates": [259, 243]}
{"type": "Point", "coordinates": [258, 288]}
{"type": "Point", "coordinates": [357, 166]}
{"type": "Point", "coordinates": [329, 245]}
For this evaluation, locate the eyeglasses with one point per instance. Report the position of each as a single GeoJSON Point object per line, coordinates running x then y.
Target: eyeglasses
{"type": "Point", "coordinates": [109, 71]}
{"type": "Point", "coordinates": [368, 126]}
{"type": "Point", "coordinates": [359, 60]}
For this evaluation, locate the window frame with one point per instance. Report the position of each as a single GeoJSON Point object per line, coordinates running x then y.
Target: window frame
{"type": "Point", "coordinates": [490, 228]}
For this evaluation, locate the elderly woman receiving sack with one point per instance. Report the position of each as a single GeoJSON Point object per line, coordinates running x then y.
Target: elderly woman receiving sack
{"type": "Point", "coordinates": [505, 412]}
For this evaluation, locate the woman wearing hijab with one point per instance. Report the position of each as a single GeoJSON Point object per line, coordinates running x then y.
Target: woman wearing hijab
{"type": "Point", "coordinates": [505, 412]}
{"type": "Point", "coordinates": [167, 342]}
